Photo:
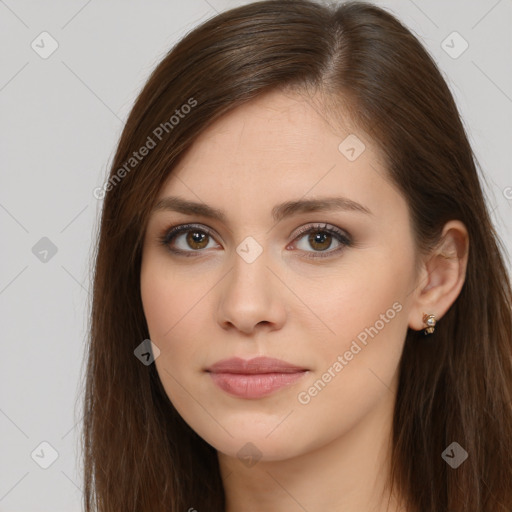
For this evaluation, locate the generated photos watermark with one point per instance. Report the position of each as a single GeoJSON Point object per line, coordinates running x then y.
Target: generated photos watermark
{"type": "Point", "coordinates": [156, 136]}
{"type": "Point", "coordinates": [304, 397]}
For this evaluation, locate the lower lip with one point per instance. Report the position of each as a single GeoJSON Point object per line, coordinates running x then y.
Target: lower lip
{"type": "Point", "coordinates": [254, 385]}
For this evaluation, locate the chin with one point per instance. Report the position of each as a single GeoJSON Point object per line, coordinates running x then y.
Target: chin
{"type": "Point", "coordinates": [251, 442]}
{"type": "Point", "coordinates": [251, 450]}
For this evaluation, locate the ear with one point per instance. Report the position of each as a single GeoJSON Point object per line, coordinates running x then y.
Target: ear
{"type": "Point", "coordinates": [442, 275]}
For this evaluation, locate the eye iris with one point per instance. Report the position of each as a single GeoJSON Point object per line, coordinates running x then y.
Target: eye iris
{"type": "Point", "coordinates": [196, 237]}
{"type": "Point", "coordinates": [320, 237]}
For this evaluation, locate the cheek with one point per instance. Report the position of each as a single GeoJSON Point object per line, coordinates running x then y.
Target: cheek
{"type": "Point", "coordinates": [365, 310]}
{"type": "Point", "coordinates": [359, 304]}
{"type": "Point", "coordinates": [157, 301]}
{"type": "Point", "coordinates": [369, 291]}
{"type": "Point", "coordinates": [170, 298]}
{"type": "Point", "coordinates": [356, 369]}
{"type": "Point", "coordinates": [177, 309]}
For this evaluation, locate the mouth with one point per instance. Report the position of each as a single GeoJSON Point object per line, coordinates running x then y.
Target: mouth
{"type": "Point", "coordinates": [254, 378]}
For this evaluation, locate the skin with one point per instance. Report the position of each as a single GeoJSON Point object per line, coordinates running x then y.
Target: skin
{"type": "Point", "coordinates": [331, 453]}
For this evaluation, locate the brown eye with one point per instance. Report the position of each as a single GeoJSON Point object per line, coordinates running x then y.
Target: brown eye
{"type": "Point", "coordinates": [320, 240]}
{"type": "Point", "coordinates": [190, 240]}
{"type": "Point", "coordinates": [196, 239]}
{"type": "Point", "coordinates": [186, 239]}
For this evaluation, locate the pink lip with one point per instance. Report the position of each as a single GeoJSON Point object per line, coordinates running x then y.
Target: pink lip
{"type": "Point", "coordinates": [254, 378]}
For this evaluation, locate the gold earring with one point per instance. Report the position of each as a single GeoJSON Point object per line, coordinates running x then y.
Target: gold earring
{"type": "Point", "coordinates": [430, 322]}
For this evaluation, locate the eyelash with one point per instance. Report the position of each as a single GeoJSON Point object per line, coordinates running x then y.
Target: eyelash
{"type": "Point", "coordinates": [341, 236]}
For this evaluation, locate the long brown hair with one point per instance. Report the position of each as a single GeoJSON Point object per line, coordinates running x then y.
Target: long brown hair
{"type": "Point", "coordinates": [455, 385]}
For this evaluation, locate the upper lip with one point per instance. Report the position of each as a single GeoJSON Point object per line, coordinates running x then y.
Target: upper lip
{"type": "Point", "coordinates": [253, 366]}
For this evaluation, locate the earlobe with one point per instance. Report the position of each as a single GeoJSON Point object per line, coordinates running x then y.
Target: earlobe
{"type": "Point", "coordinates": [442, 277]}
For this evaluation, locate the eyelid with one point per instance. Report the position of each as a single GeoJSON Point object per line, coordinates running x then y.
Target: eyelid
{"type": "Point", "coordinates": [321, 226]}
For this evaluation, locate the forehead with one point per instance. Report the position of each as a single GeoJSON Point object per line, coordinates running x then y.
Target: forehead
{"type": "Point", "coordinates": [277, 147]}
{"type": "Point", "coordinates": [273, 129]}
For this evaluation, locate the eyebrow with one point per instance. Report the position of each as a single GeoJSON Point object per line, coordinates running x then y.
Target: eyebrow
{"type": "Point", "coordinates": [279, 212]}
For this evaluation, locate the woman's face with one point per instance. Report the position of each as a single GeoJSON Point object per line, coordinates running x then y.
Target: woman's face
{"type": "Point", "coordinates": [333, 300]}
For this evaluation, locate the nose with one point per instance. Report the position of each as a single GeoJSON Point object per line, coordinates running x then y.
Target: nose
{"type": "Point", "coordinates": [251, 297]}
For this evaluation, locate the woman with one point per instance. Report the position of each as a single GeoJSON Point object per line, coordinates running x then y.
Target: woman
{"type": "Point", "coordinates": [300, 301]}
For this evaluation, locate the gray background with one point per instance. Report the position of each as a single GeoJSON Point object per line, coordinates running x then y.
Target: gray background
{"type": "Point", "coordinates": [60, 121]}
